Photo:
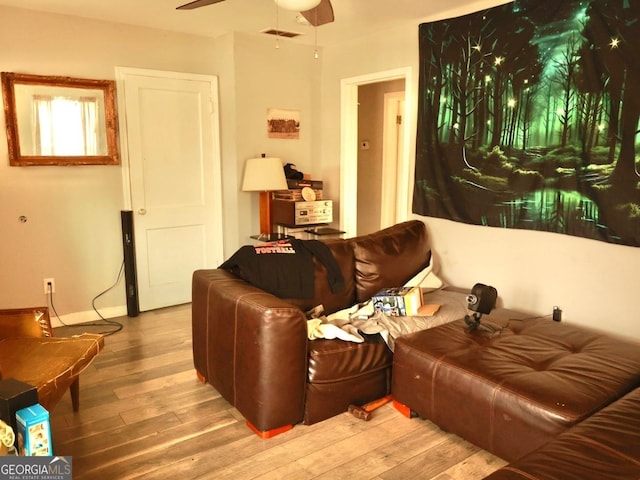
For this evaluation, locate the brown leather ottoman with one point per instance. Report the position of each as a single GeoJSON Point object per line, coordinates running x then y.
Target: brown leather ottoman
{"type": "Point", "coordinates": [513, 391]}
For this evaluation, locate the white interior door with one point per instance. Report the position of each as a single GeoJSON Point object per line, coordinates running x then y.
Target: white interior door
{"type": "Point", "coordinates": [172, 145]}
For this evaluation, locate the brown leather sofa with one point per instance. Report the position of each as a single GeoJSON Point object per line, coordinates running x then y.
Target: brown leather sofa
{"type": "Point", "coordinates": [252, 346]}
{"type": "Point", "coordinates": [30, 353]}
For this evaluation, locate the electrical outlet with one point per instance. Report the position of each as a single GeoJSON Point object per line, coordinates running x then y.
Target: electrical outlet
{"type": "Point", "coordinates": [557, 314]}
{"type": "Point", "coordinates": [49, 285]}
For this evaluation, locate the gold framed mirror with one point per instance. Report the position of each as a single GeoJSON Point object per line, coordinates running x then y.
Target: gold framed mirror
{"type": "Point", "coordinates": [60, 120]}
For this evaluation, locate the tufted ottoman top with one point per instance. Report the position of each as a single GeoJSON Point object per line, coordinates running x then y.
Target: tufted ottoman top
{"type": "Point", "coordinates": [511, 391]}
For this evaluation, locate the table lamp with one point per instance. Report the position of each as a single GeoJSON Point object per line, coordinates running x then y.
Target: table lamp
{"type": "Point", "coordinates": [264, 175]}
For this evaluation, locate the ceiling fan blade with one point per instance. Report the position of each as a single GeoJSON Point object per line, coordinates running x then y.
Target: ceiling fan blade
{"type": "Point", "coordinates": [197, 4]}
{"type": "Point", "coordinates": [320, 15]}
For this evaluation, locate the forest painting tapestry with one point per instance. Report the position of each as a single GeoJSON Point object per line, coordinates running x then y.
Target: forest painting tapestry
{"type": "Point", "coordinates": [528, 118]}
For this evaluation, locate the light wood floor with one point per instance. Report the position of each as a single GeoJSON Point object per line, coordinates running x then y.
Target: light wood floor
{"type": "Point", "coordinates": [143, 414]}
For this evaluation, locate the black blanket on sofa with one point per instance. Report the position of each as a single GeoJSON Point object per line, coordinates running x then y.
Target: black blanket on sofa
{"type": "Point", "coordinates": [285, 268]}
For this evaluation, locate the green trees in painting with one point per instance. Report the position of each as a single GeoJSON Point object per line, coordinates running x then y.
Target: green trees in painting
{"type": "Point", "coordinates": [528, 117]}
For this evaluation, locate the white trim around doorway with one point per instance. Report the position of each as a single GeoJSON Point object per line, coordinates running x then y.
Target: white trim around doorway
{"type": "Point", "coordinates": [349, 147]}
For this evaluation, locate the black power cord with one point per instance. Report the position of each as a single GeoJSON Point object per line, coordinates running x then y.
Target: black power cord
{"type": "Point", "coordinates": [103, 322]}
{"type": "Point", "coordinates": [53, 307]}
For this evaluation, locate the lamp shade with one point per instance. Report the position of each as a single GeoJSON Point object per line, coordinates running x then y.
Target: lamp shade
{"type": "Point", "coordinates": [298, 5]}
{"type": "Point", "coordinates": [264, 175]}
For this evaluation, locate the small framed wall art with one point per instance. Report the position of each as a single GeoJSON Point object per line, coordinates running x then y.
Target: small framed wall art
{"type": "Point", "coordinates": [283, 123]}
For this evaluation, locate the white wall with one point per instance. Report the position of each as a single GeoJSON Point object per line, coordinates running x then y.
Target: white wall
{"type": "Point", "coordinates": [73, 229]}
{"type": "Point", "coordinates": [594, 283]}
{"type": "Point", "coordinates": [223, 52]}
{"type": "Point", "coordinates": [266, 77]}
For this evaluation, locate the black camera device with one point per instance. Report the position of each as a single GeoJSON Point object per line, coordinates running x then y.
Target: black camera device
{"type": "Point", "coordinates": [481, 300]}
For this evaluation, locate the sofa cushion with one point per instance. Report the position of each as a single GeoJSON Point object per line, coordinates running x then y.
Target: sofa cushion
{"type": "Point", "coordinates": [389, 257]}
{"type": "Point", "coordinates": [341, 373]}
{"type": "Point", "coordinates": [331, 301]}
{"type": "Point", "coordinates": [334, 360]}
{"type": "Point", "coordinates": [369, 263]}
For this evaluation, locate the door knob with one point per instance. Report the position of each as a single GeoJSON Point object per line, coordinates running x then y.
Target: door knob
{"type": "Point", "coordinates": [142, 211]}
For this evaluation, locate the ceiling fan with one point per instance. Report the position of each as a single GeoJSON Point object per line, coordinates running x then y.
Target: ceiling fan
{"type": "Point", "coordinates": [318, 15]}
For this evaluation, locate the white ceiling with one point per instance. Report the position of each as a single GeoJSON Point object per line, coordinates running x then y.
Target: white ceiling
{"type": "Point", "coordinates": [353, 18]}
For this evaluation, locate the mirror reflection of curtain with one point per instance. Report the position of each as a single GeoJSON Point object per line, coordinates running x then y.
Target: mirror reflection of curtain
{"type": "Point", "coordinates": [65, 126]}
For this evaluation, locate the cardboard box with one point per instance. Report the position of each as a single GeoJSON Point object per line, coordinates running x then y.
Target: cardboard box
{"type": "Point", "coordinates": [398, 302]}
{"type": "Point", "coordinates": [33, 437]}
{"type": "Point", "coordinates": [15, 395]}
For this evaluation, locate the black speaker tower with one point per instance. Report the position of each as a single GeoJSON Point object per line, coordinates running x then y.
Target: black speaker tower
{"type": "Point", "coordinates": [129, 247]}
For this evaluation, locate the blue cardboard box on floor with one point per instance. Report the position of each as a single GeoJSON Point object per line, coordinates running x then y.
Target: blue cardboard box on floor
{"type": "Point", "coordinates": [34, 432]}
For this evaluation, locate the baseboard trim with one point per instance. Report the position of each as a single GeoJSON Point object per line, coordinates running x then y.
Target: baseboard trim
{"type": "Point", "coordinates": [86, 316]}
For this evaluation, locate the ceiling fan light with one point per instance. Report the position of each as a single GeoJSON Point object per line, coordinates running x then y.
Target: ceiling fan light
{"type": "Point", "coordinates": [298, 5]}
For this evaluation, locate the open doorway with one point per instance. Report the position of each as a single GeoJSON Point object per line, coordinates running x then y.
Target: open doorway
{"type": "Point", "coordinates": [380, 114]}
{"type": "Point", "coordinates": [392, 188]}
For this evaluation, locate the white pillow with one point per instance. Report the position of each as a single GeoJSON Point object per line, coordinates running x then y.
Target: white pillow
{"type": "Point", "coordinates": [426, 279]}
{"type": "Point", "coordinates": [355, 311]}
